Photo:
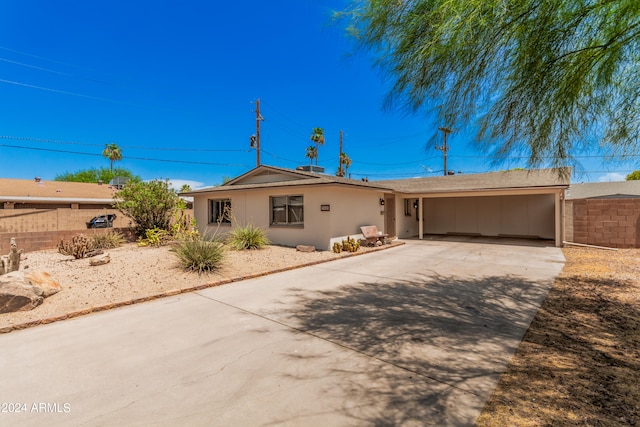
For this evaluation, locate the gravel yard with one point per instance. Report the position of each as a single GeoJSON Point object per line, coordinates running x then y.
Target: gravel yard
{"type": "Point", "coordinates": [579, 363]}
{"type": "Point", "coordinates": [138, 273]}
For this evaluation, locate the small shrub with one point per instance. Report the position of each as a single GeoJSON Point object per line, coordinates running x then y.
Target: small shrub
{"type": "Point", "coordinates": [185, 230]}
{"type": "Point", "coordinates": [155, 237]}
{"type": "Point", "coordinates": [337, 247]}
{"type": "Point", "coordinates": [108, 240]}
{"type": "Point", "coordinates": [199, 255]}
{"type": "Point", "coordinates": [247, 237]}
{"type": "Point", "coordinates": [78, 247]}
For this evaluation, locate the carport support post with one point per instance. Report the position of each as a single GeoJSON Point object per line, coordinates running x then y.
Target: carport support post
{"type": "Point", "coordinates": [420, 220]}
{"type": "Point", "coordinates": [559, 217]}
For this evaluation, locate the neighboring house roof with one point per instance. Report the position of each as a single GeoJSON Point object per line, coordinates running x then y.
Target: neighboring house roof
{"type": "Point", "coordinates": [513, 179]}
{"type": "Point", "coordinates": [271, 177]}
{"type": "Point", "coordinates": [615, 189]}
{"type": "Point", "coordinates": [32, 191]}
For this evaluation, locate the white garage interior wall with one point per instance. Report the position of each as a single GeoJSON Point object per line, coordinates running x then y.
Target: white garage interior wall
{"type": "Point", "coordinates": [514, 215]}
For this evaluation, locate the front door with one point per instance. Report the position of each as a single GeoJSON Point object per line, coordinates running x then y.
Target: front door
{"type": "Point", "coordinates": [390, 215]}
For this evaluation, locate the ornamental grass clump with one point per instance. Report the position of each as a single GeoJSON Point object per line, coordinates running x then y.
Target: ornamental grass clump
{"type": "Point", "coordinates": [108, 240]}
{"type": "Point", "coordinates": [247, 237]}
{"type": "Point", "coordinates": [199, 254]}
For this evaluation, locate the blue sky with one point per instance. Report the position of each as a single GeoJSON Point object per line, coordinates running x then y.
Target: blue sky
{"type": "Point", "coordinates": [175, 83]}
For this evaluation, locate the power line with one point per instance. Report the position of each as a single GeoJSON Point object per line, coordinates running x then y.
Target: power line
{"type": "Point", "coordinates": [126, 157]}
{"type": "Point", "coordinates": [134, 80]}
{"type": "Point", "coordinates": [37, 57]}
{"type": "Point", "coordinates": [53, 141]}
{"type": "Point", "coordinates": [48, 70]}
{"type": "Point", "coordinates": [395, 164]}
{"type": "Point", "coordinates": [81, 95]}
{"type": "Point", "coordinates": [591, 156]}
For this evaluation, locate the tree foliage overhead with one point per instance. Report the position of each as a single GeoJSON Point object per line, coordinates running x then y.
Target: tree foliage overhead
{"type": "Point", "coordinates": [541, 77]}
{"type": "Point", "coordinates": [633, 176]}
{"type": "Point", "coordinates": [148, 204]}
{"type": "Point", "coordinates": [94, 175]}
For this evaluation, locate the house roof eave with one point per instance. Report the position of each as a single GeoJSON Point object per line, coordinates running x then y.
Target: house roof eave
{"type": "Point", "coordinates": [287, 184]}
{"type": "Point", "coordinates": [28, 199]}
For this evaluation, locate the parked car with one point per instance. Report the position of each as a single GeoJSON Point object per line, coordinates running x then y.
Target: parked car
{"type": "Point", "coordinates": [101, 221]}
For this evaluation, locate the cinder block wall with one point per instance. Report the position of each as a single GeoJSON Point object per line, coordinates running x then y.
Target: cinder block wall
{"type": "Point", "coordinates": [568, 221]}
{"type": "Point", "coordinates": [36, 220]}
{"type": "Point", "coordinates": [41, 240]}
{"type": "Point", "coordinates": [37, 229]}
{"type": "Point", "coordinates": [607, 222]}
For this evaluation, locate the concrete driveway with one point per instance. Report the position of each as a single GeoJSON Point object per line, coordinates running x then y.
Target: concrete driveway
{"type": "Point", "coordinates": [414, 335]}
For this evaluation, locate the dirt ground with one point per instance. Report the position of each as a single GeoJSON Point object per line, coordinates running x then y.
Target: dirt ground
{"type": "Point", "coordinates": [136, 274]}
{"type": "Point", "coordinates": [579, 362]}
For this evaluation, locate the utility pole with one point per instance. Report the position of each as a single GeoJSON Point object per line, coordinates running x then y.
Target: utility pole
{"type": "Point", "coordinates": [340, 173]}
{"type": "Point", "coordinates": [259, 119]}
{"type": "Point", "coordinates": [446, 131]}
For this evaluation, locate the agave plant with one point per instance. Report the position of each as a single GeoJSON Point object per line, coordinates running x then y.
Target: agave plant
{"type": "Point", "coordinates": [247, 237]}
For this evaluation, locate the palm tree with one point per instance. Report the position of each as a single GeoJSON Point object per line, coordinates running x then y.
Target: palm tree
{"type": "Point", "coordinates": [113, 153]}
{"type": "Point", "coordinates": [185, 188]}
{"type": "Point", "coordinates": [312, 153]}
{"type": "Point", "coordinates": [317, 136]}
{"type": "Point", "coordinates": [346, 162]}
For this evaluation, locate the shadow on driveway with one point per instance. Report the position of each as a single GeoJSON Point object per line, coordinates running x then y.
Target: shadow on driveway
{"type": "Point", "coordinates": [444, 342]}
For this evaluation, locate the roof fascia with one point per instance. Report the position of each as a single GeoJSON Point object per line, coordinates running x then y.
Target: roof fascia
{"type": "Point", "coordinates": [222, 189]}
{"type": "Point", "coordinates": [255, 171]}
{"type": "Point", "coordinates": [484, 192]}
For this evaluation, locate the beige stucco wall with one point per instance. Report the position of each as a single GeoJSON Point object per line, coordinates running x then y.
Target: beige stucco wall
{"type": "Point", "coordinates": [406, 225]}
{"type": "Point", "coordinates": [350, 208]}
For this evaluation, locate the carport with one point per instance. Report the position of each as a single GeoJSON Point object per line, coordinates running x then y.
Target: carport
{"type": "Point", "coordinates": [518, 203]}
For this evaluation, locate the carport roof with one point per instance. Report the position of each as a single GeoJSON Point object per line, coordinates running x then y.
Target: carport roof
{"type": "Point", "coordinates": [514, 179]}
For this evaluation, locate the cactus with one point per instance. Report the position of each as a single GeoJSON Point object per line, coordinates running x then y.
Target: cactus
{"type": "Point", "coordinates": [350, 245]}
{"type": "Point", "coordinates": [337, 247]}
{"type": "Point", "coordinates": [78, 247]}
{"type": "Point", "coordinates": [11, 262]}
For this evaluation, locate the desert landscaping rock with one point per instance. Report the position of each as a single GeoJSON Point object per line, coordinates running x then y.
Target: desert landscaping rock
{"type": "Point", "coordinates": [100, 260]}
{"type": "Point", "coordinates": [44, 281]}
{"type": "Point", "coordinates": [22, 291]}
{"type": "Point", "coordinates": [18, 294]}
{"type": "Point", "coordinates": [305, 248]}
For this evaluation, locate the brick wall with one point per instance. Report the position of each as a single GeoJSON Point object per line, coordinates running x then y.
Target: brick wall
{"type": "Point", "coordinates": [607, 222]}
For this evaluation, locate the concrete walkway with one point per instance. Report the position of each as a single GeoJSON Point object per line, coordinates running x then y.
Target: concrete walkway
{"type": "Point", "coordinates": [414, 335]}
